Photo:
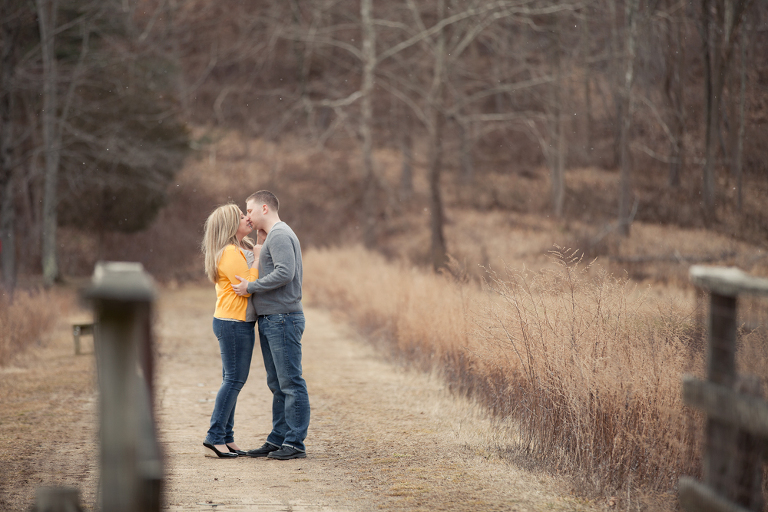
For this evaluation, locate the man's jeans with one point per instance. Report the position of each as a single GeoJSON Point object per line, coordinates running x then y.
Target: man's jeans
{"type": "Point", "coordinates": [280, 337]}
{"type": "Point", "coordinates": [236, 341]}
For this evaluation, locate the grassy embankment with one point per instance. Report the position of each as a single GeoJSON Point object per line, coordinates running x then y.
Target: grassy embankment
{"type": "Point", "coordinates": [582, 368]}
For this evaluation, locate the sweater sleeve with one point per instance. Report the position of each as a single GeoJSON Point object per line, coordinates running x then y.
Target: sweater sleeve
{"type": "Point", "coordinates": [233, 263]}
{"type": "Point", "coordinates": [284, 259]}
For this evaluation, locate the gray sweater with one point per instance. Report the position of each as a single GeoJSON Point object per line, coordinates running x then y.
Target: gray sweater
{"type": "Point", "coordinates": [278, 288]}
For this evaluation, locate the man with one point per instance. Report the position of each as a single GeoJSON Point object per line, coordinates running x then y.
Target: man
{"type": "Point", "coordinates": [277, 298]}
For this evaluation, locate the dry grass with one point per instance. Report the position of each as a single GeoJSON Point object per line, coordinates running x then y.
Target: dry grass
{"type": "Point", "coordinates": [590, 370]}
{"type": "Point", "coordinates": [582, 368]}
{"type": "Point", "coordinates": [24, 319]}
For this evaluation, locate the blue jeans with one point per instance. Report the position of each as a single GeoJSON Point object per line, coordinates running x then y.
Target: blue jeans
{"type": "Point", "coordinates": [280, 337]}
{"type": "Point", "coordinates": [236, 341]}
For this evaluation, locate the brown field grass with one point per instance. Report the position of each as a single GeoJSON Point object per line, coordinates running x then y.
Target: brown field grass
{"type": "Point", "coordinates": [25, 318]}
{"type": "Point", "coordinates": [582, 369]}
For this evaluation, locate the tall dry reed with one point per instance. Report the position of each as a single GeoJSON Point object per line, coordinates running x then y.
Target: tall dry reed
{"type": "Point", "coordinates": [591, 370]}
{"type": "Point", "coordinates": [23, 320]}
{"type": "Point", "coordinates": [582, 365]}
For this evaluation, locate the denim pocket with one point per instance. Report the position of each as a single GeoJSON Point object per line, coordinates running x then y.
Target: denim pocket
{"type": "Point", "coordinates": [297, 321]}
{"type": "Point", "coordinates": [276, 319]}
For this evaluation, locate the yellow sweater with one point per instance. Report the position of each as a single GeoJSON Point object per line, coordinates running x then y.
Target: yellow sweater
{"type": "Point", "coordinates": [228, 303]}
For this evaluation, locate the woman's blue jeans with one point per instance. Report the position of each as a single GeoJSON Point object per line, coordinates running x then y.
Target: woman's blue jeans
{"type": "Point", "coordinates": [236, 341]}
{"type": "Point", "coordinates": [280, 338]}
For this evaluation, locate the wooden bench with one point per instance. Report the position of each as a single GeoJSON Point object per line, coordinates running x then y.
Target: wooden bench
{"type": "Point", "coordinates": [79, 328]}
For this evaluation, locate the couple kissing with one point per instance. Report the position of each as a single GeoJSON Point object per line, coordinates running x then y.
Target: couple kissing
{"type": "Point", "coordinates": [258, 289]}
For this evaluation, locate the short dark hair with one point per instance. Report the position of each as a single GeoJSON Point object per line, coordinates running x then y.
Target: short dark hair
{"type": "Point", "coordinates": [265, 197]}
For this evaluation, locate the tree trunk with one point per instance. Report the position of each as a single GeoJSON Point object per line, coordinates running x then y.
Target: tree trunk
{"type": "Point", "coordinates": [740, 138]}
{"type": "Point", "coordinates": [674, 92]}
{"type": "Point", "coordinates": [625, 186]}
{"type": "Point", "coordinates": [7, 238]}
{"type": "Point", "coordinates": [713, 86]}
{"type": "Point", "coordinates": [615, 81]}
{"type": "Point", "coordinates": [439, 254]}
{"type": "Point", "coordinates": [467, 160]}
{"type": "Point", "coordinates": [46, 11]}
{"type": "Point", "coordinates": [560, 164]}
{"type": "Point", "coordinates": [557, 154]}
{"type": "Point", "coordinates": [718, 30]}
{"type": "Point", "coordinates": [585, 50]}
{"type": "Point", "coordinates": [406, 148]}
{"type": "Point", "coordinates": [299, 48]}
{"type": "Point", "coordinates": [369, 63]}
{"type": "Point", "coordinates": [708, 181]}
{"type": "Point", "coordinates": [556, 127]}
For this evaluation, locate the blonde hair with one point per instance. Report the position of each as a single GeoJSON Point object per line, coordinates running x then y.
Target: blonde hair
{"type": "Point", "coordinates": [220, 231]}
{"type": "Point", "coordinates": [248, 243]}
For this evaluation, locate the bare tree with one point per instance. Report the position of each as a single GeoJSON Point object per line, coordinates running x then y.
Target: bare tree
{"type": "Point", "coordinates": [585, 50]}
{"type": "Point", "coordinates": [47, 11]}
{"type": "Point", "coordinates": [435, 115]}
{"type": "Point", "coordinates": [625, 185]}
{"type": "Point", "coordinates": [369, 65]}
{"type": "Point", "coordinates": [719, 26]}
{"type": "Point", "coordinates": [674, 85]}
{"type": "Point", "coordinates": [404, 136]}
{"type": "Point", "coordinates": [739, 150]}
{"type": "Point", "coordinates": [443, 96]}
{"type": "Point", "coordinates": [556, 121]}
{"type": "Point", "coordinates": [10, 12]}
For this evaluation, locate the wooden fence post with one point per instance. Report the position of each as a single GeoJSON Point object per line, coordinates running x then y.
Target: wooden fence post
{"type": "Point", "coordinates": [131, 468]}
{"type": "Point", "coordinates": [57, 499]}
{"type": "Point", "coordinates": [737, 420]}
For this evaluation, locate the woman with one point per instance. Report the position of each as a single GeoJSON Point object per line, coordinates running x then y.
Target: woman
{"type": "Point", "coordinates": [224, 243]}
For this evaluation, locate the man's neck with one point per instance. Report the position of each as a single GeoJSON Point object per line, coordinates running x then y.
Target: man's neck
{"type": "Point", "coordinates": [271, 223]}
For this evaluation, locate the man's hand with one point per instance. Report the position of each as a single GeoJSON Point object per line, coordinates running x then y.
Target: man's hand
{"type": "Point", "coordinates": [242, 288]}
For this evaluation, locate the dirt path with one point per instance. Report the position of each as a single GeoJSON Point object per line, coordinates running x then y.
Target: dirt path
{"type": "Point", "coordinates": [380, 438]}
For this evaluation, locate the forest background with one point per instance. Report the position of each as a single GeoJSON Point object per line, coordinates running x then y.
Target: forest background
{"type": "Point", "coordinates": [439, 135]}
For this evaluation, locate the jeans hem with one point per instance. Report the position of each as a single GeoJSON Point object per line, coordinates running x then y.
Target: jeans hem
{"type": "Point", "coordinates": [294, 447]}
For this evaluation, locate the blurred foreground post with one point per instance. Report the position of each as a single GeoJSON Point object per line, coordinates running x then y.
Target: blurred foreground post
{"type": "Point", "coordinates": [737, 419]}
{"type": "Point", "coordinates": [131, 466]}
{"type": "Point", "coordinates": [57, 499]}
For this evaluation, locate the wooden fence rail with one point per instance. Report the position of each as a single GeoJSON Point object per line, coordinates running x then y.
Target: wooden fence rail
{"type": "Point", "coordinates": [737, 418]}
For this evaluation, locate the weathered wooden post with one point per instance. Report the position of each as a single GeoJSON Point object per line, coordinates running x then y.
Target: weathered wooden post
{"type": "Point", "coordinates": [57, 499]}
{"type": "Point", "coordinates": [736, 422]}
{"type": "Point", "coordinates": [131, 467]}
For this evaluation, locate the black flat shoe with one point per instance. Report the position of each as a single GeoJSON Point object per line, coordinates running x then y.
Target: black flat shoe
{"type": "Point", "coordinates": [232, 450]}
{"type": "Point", "coordinates": [211, 451]}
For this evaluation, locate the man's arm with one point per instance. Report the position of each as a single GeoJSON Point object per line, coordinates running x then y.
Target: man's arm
{"type": "Point", "coordinates": [284, 258]}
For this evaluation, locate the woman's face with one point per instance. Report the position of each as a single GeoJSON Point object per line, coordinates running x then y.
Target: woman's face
{"type": "Point", "coordinates": [244, 228]}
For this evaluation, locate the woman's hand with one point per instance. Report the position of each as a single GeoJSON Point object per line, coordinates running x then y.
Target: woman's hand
{"type": "Point", "coordinates": [261, 235]}
{"type": "Point", "coordinates": [256, 251]}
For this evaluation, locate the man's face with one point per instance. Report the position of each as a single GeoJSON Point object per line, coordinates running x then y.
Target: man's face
{"type": "Point", "coordinates": [253, 213]}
